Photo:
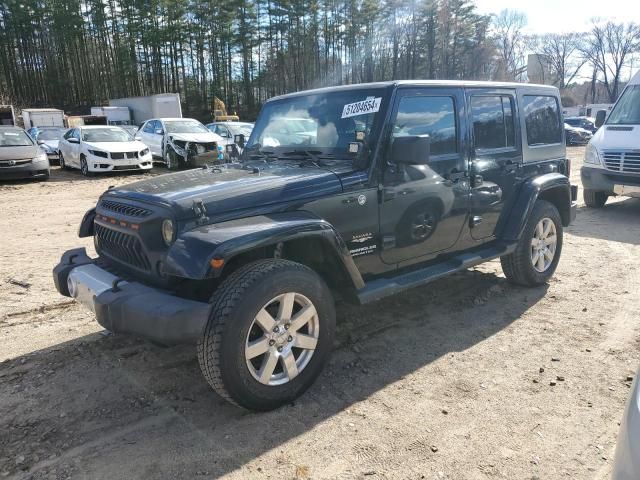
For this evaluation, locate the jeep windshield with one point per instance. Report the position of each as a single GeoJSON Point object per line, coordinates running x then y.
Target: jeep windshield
{"type": "Point", "coordinates": [627, 110]}
{"type": "Point", "coordinates": [321, 123]}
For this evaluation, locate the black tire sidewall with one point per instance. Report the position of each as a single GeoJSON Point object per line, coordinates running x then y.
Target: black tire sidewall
{"type": "Point", "coordinates": [239, 382]}
{"type": "Point", "coordinates": [542, 209]}
{"type": "Point", "coordinates": [83, 163]}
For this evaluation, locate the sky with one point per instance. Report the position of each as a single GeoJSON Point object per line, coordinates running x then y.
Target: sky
{"type": "Point", "coordinates": [562, 16]}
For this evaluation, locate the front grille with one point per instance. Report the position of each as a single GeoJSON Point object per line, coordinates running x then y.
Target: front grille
{"type": "Point", "coordinates": [14, 163]}
{"type": "Point", "coordinates": [123, 155]}
{"type": "Point", "coordinates": [627, 161]}
{"type": "Point", "coordinates": [121, 247]}
{"type": "Point", "coordinates": [125, 167]}
{"type": "Point", "coordinates": [124, 209]}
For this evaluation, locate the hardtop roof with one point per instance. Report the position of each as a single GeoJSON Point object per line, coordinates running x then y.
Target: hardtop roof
{"type": "Point", "coordinates": [421, 83]}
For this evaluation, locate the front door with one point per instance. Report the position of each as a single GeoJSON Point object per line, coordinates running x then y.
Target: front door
{"type": "Point", "coordinates": [423, 208]}
{"type": "Point", "coordinates": [496, 156]}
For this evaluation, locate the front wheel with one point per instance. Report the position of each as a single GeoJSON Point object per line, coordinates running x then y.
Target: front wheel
{"type": "Point", "coordinates": [594, 198]}
{"type": "Point", "coordinates": [84, 167]}
{"type": "Point", "coordinates": [171, 159]}
{"type": "Point", "coordinates": [269, 334]}
{"type": "Point", "coordinates": [537, 254]}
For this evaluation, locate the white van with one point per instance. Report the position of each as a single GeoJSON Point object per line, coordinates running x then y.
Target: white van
{"type": "Point", "coordinates": [612, 158]}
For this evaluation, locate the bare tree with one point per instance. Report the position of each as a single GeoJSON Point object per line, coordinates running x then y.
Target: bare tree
{"type": "Point", "coordinates": [510, 43]}
{"type": "Point", "coordinates": [609, 48]}
{"type": "Point", "coordinates": [562, 51]}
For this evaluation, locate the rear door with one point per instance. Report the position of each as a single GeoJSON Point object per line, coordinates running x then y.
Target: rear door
{"type": "Point", "coordinates": [423, 208]}
{"type": "Point", "coordinates": [496, 156]}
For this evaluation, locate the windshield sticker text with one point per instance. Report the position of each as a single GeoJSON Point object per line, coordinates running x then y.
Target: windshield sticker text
{"type": "Point", "coordinates": [370, 105]}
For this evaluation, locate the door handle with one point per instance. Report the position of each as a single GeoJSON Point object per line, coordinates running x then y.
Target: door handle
{"type": "Point", "coordinates": [509, 166]}
{"type": "Point", "coordinates": [455, 175]}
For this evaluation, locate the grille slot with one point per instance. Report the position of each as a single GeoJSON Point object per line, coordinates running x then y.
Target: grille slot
{"type": "Point", "coordinates": [627, 161]}
{"type": "Point", "coordinates": [122, 247]}
{"type": "Point", "coordinates": [123, 155]}
{"type": "Point", "coordinates": [124, 209]}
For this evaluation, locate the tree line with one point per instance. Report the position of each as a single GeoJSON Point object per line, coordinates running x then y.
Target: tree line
{"type": "Point", "coordinates": [72, 54]}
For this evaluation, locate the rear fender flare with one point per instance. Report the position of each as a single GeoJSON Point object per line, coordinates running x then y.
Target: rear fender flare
{"type": "Point", "coordinates": [553, 187]}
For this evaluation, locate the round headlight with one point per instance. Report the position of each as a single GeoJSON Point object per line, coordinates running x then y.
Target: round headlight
{"type": "Point", "coordinates": [167, 231]}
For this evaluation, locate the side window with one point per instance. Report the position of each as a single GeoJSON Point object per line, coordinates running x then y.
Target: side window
{"type": "Point", "coordinates": [433, 116]}
{"type": "Point", "coordinates": [157, 125]}
{"type": "Point", "coordinates": [148, 127]}
{"type": "Point", "coordinates": [76, 133]}
{"type": "Point", "coordinates": [68, 134]}
{"type": "Point", "coordinates": [542, 119]}
{"type": "Point", "coordinates": [492, 121]}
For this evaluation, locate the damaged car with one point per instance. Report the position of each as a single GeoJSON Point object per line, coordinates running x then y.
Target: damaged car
{"type": "Point", "coordinates": [181, 142]}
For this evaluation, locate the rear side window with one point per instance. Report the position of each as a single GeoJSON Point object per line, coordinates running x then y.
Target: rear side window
{"type": "Point", "coordinates": [542, 120]}
{"type": "Point", "coordinates": [492, 122]}
{"type": "Point", "coordinates": [426, 115]}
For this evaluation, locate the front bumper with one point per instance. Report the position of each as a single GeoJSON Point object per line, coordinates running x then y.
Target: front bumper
{"type": "Point", "coordinates": [26, 170]}
{"type": "Point", "coordinates": [129, 307]}
{"type": "Point", "coordinates": [99, 164]}
{"type": "Point", "coordinates": [573, 209]}
{"type": "Point", "coordinates": [610, 182]}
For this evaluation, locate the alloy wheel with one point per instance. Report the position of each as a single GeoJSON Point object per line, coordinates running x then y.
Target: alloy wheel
{"type": "Point", "coordinates": [282, 339]}
{"type": "Point", "coordinates": [543, 244]}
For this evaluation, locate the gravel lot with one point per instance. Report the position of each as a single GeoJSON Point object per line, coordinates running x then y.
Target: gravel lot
{"type": "Point", "coordinates": [466, 378]}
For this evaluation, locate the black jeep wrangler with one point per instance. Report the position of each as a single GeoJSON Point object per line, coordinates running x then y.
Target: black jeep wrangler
{"type": "Point", "coordinates": [358, 191]}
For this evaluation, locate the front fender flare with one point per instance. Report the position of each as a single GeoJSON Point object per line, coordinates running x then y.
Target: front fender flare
{"type": "Point", "coordinates": [529, 193]}
{"type": "Point", "coordinates": [192, 252]}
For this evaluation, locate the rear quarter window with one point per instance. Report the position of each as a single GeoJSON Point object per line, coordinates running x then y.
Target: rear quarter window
{"type": "Point", "coordinates": [542, 120]}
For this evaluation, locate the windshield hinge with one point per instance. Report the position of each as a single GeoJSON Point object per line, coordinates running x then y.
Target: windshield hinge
{"type": "Point", "coordinates": [200, 211]}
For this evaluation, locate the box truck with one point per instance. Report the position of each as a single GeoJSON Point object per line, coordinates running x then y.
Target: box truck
{"type": "Point", "coordinates": [163, 105]}
{"type": "Point", "coordinates": [42, 117]}
{"type": "Point", "coordinates": [114, 115]}
{"type": "Point", "coordinates": [7, 115]}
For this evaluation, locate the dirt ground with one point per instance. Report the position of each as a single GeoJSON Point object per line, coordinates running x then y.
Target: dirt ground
{"type": "Point", "coordinates": [449, 381]}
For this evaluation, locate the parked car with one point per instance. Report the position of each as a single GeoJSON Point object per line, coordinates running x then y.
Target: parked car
{"type": "Point", "coordinates": [576, 136]}
{"type": "Point", "coordinates": [48, 139]}
{"type": "Point", "coordinates": [585, 123]}
{"type": "Point", "coordinates": [612, 158]}
{"type": "Point", "coordinates": [398, 184]}
{"type": "Point", "coordinates": [228, 130]}
{"type": "Point", "coordinates": [626, 465]}
{"type": "Point", "coordinates": [181, 142]}
{"type": "Point", "coordinates": [20, 156]}
{"type": "Point", "coordinates": [95, 149]}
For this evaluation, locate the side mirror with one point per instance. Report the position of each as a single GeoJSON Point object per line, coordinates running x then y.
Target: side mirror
{"type": "Point", "coordinates": [137, 137]}
{"type": "Point", "coordinates": [73, 140]}
{"type": "Point", "coordinates": [239, 140]}
{"type": "Point", "coordinates": [159, 131]}
{"type": "Point", "coordinates": [413, 150]}
{"type": "Point", "coordinates": [40, 142]}
{"type": "Point", "coordinates": [601, 116]}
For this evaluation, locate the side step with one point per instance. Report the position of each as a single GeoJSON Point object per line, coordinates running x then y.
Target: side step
{"type": "Point", "coordinates": [383, 287]}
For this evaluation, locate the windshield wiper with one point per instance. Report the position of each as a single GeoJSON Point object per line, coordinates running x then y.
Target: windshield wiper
{"type": "Point", "coordinates": [258, 154]}
{"type": "Point", "coordinates": [311, 156]}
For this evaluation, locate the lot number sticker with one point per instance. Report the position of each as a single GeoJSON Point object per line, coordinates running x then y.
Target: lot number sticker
{"type": "Point", "coordinates": [370, 105]}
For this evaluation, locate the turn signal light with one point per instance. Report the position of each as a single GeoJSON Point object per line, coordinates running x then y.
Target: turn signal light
{"type": "Point", "coordinates": [217, 262]}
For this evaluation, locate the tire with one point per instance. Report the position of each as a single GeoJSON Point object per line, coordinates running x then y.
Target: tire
{"type": "Point", "coordinates": [63, 165]}
{"type": "Point", "coordinates": [518, 266]}
{"type": "Point", "coordinates": [171, 161]}
{"type": "Point", "coordinates": [84, 167]}
{"type": "Point", "coordinates": [594, 198]}
{"type": "Point", "coordinates": [233, 324]}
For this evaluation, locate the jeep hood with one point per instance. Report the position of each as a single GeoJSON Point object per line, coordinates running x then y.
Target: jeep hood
{"type": "Point", "coordinates": [227, 190]}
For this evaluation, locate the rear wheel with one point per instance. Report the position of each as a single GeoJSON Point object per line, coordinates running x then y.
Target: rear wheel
{"type": "Point", "coordinates": [594, 198]}
{"type": "Point", "coordinates": [269, 335]}
{"type": "Point", "coordinates": [537, 254]}
{"type": "Point", "coordinates": [63, 165]}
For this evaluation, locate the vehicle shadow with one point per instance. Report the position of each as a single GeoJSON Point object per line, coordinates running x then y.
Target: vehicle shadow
{"type": "Point", "coordinates": [117, 407]}
{"type": "Point", "coordinates": [618, 221]}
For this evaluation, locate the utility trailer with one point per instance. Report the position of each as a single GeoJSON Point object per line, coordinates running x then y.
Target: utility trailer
{"type": "Point", "coordinates": [7, 115]}
{"type": "Point", "coordinates": [42, 117]}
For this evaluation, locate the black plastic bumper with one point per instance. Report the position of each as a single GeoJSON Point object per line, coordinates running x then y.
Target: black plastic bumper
{"type": "Point", "coordinates": [136, 309]}
{"type": "Point", "coordinates": [603, 180]}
